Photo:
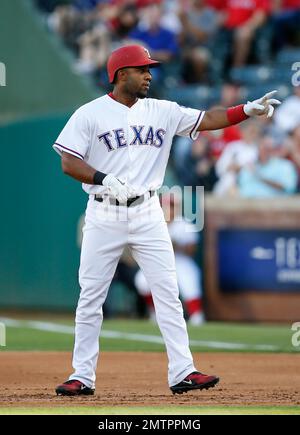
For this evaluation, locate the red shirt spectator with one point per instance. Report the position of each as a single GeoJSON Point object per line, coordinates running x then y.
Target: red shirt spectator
{"type": "Point", "coordinates": [145, 3]}
{"type": "Point", "coordinates": [218, 140]}
{"type": "Point", "coordinates": [216, 4]}
{"type": "Point", "coordinates": [239, 12]}
{"type": "Point", "coordinates": [290, 4]}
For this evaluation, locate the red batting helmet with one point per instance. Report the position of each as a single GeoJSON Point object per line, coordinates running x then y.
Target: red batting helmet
{"type": "Point", "coordinates": [128, 56]}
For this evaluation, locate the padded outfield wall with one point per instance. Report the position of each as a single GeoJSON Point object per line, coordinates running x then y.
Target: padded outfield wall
{"type": "Point", "coordinates": [40, 207]}
{"type": "Point", "coordinates": [39, 79]}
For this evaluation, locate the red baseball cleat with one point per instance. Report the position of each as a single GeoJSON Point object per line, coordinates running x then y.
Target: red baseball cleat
{"type": "Point", "coordinates": [195, 381]}
{"type": "Point", "coordinates": [73, 388]}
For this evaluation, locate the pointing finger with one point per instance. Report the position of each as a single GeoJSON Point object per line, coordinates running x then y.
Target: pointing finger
{"type": "Point", "coordinates": [268, 95]}
{"type": "Point", "coordinates": [274, 101]}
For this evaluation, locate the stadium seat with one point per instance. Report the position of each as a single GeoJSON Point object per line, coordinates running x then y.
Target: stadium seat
{"type": "Point", "coordinates": [190, 95]}
{"type": "Point", "coordinates": [251, 75]}
{"type": "Point", "coordinates": [288, 56]}
{"type": "Point", "coordinates": [171, 72]}
{"type": "Point", "coordinates": [254, 92]}
{"type": "Point", "coordinates": [283, 74]}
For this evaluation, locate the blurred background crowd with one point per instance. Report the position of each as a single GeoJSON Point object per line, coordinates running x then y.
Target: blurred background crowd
{"type": "Point", "coordinates": [213, 53]}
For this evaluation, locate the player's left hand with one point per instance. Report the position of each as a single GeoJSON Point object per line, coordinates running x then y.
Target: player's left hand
{"type": "Point", "coordinates": [131, 192]}
{"type": "Point", "coordinates": [262, 106]}
{"type": "Point", "coordinates": [116, 188]}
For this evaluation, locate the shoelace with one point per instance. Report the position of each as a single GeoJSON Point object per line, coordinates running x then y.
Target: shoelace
{"type": "Point", "coordinates": [195, 373]}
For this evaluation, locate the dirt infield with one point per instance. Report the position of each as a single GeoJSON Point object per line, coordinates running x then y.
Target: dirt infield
{"type": "Point", "coordinates": [139, 379]}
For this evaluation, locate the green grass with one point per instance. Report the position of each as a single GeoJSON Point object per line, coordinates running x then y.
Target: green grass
{"type": "Point", "coordinates": [29, 339]}
{"type": "Point", "coordinates": [32, 340]}
{"type": "Point", "coordinates": [193, 410]}
{"type": "Point", "coordinates": [279, 336]}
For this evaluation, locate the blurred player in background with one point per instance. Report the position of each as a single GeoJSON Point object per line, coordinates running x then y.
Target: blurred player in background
{"type": "Point", "coordinates": [184, 238]}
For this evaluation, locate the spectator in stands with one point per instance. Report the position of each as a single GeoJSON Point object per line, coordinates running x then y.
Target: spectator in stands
{"type": "Point", "coordinates": [291, 150]}
{"type": "Point", "coordinates": [286, 19]}
{"type": "Point", "coordinates": [150, 32]}
{"type": "Point", "coordinates": [230, 94]}
{"type": "Point", "coordinates": [72, 20]}
{"type": "Point", "coordinates": [114, 23]}
{"type": "Point", "coordinates": [194, 163]}
{"type": "Point", "coordinates": [269, 128]}
{"type": "Point", "coordinates": [287, 116]}
{"type": "Point", "coordinates": [94, 48]}
{"type": "Point", "coordinates": [199, 25]}
{"type": "Point", "coordinates": [235, 156]}
{"type": "Point", "coordinates": [185, 239]}
{"type": "Point", "coordinates": [270, 176]}
{"type": "Point", "coordinates": [120, 14]}
{"type": "Point", "coordinates": [241, 20]}
{"type": "Point", "coordinates": [170, 19]}
{"type": "Point", "coordinates": [218, 139]}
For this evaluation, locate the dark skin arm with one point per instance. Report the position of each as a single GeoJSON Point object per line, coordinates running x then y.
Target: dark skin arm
{"type": "Point", "coordinates": [77, 168]}
{"type": "Point", "coordinates": [188, 27]}
{"type": "Point", "coordinates": [214, 119]}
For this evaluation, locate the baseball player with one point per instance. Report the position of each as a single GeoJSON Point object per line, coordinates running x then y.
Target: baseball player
{"type": "Point", "coordinates": [118, 146]}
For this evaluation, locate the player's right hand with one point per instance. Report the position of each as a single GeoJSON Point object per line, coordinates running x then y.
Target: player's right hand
{"type": "Point", "coordinates": [116, 188]}
{"type": "Point", "coordinates": [262, 106]}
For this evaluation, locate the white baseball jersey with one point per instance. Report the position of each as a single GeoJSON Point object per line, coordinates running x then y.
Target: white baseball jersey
{"type": "Point", "coordinates": [131, 143]}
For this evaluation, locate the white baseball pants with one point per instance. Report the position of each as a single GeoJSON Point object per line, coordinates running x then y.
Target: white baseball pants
{"type": "Point", "coordinates": [107, 230]}
{"type": "Point", "coordinates": [188, 278]}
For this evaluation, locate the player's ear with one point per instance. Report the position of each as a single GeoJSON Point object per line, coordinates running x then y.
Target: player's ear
{"type": "Point", "coordinates": [122, 75]}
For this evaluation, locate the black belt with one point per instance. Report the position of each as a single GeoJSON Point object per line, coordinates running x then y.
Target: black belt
{"type": "Point", "coordinates": [136, 200]}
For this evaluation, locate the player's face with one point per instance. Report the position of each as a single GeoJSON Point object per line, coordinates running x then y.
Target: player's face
{"type": "Point", "coordinates": [138, 81]}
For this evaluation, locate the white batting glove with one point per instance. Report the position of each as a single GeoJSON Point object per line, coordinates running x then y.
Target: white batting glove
{"type": "Point", "coordinates": [131, 192]}
{"type": "Point", "coordinates": [262, 106]}
{"type": "Point", "coordinates": [116, 188]}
